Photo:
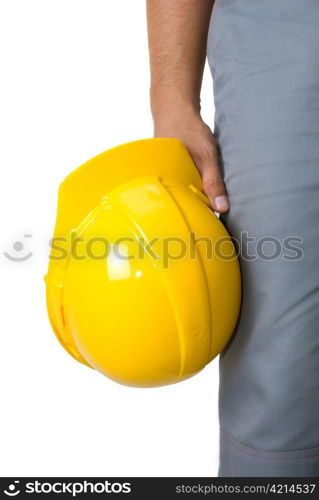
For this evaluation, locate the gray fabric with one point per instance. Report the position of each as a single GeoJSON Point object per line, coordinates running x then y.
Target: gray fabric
{"type": "Point", "coordinates": [265, 65]}
{"type": "Point", "coordinates": [237, 460]}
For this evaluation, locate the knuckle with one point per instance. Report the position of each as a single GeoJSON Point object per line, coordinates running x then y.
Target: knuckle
{"type": "Point", "coordinates": [207, 155]}
{"type": "Point", "coordinates": [213, 182]}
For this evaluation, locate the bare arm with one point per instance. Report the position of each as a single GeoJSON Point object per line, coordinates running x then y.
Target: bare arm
{"type": "Point", "coordinates": [177, 43]}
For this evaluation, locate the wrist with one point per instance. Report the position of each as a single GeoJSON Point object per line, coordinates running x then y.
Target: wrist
{"type": "Point", "coordinates": [177, 122]}
{"type": "Point", "coordinates": [175, 115]}
{"type": "Point", "coordinates": [169, 105]}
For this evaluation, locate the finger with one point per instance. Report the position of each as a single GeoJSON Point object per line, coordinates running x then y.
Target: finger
{"type": "Point", "coordinates": [215, 190]}
{"type": "Point", "coordinates": [213, 184]}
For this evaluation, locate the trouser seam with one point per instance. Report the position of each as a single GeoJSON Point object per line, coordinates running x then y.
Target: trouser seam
{"type": "Point", "coordinates": [271, 455]}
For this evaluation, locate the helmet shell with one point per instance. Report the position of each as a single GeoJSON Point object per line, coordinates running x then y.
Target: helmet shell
{"type": "Point", "coordinates": [144, 281]}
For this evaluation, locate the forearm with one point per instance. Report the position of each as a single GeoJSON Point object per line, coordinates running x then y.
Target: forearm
{"type": "Point", "coordinates": [177, 42]}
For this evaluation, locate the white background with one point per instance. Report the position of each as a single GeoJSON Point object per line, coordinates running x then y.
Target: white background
{"type": "Point", "coordinates": [74, 82]}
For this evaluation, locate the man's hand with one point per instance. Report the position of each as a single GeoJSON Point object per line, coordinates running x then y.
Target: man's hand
{"type": "Point", "coordinates": [177, 41]}
{"type": "Point", "coordinates": [200, 141]}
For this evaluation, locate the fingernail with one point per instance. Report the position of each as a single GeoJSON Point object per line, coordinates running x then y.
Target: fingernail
{"type": "Point", "coordinates": [222, 203]}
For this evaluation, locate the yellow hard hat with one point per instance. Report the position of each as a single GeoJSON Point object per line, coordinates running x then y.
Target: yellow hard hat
{"type": "Point", "coordinates": [143, 282]}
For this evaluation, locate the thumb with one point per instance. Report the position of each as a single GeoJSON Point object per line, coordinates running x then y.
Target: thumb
{"type": "Point", "coordinates": [214, 186]}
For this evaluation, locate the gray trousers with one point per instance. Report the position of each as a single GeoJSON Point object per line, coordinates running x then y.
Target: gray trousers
{"type": "Point", "coordinates": [264, 57]}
